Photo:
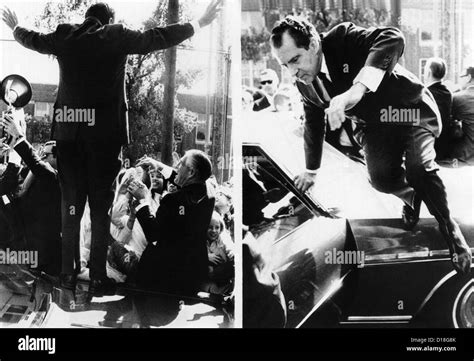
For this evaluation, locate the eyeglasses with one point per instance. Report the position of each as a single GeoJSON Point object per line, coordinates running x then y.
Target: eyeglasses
{"type": "Point", "coordinates": [263, 82]}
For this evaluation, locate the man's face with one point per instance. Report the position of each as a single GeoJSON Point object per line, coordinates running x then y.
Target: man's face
{"type": "Point", "coordinates": [303, 64]}
{"type": "Point", "coordinates": [185, 172]}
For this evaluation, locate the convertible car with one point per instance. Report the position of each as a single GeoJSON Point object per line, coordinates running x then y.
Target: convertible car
{"type": "Point", "coordinates": [341, 254]}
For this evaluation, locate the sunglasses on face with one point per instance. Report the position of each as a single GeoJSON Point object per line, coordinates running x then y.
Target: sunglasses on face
{"type": "Point", "coordinates": [266, 82]}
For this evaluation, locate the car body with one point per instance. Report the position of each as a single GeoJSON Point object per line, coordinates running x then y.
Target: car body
{"type": "Point", "coordinates": [31, 299]}
{"type": "Point", "coordinates": [341, 254]}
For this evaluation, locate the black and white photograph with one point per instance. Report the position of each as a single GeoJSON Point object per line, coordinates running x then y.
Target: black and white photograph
{"type": "Point", "coordinates": [236, 176]}
{"type": "Point", "coordinates": [116, 189]}
{"type": "Point", "coordinates": [358, 164]}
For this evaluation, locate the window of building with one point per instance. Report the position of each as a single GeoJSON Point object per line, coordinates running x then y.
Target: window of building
{"type": "Point", "coordinates": [203, 129]}
{"type": "Point", "coordinates": [42, 109]}
{"type": "Point", "coordinates": [421, 69]}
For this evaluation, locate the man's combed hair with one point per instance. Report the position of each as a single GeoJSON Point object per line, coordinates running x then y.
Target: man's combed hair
{"type": "Point", "coordinates": [101, 11]}
{"type": "Point", "coordinates": [300, 30]}
{"type": "Point", "coordinates": [438, 68]}
{"type": "Point", "coordinates": [201, 163]}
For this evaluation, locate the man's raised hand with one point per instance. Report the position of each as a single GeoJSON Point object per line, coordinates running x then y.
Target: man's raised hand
{"type": "Point", "coordinates": [211, 13]}
{"type": "Point", "coordinates": [9, 18]}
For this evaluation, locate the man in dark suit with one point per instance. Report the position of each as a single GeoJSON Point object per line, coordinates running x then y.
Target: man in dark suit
{"type": "Point", "coordinates": [90, 118]}
{"type": "Point", "coordinates": [353, 71]}
{"type": "Point", "coordinates": [38, 200]}
{"type": "Point", "coordinates": [434, 72]}
{"type": "Point", "coordinates": [175, 260]}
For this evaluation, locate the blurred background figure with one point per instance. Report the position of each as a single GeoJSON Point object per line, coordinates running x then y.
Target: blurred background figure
{"type": "Point", "coordinates": [463, 111]}
{"type": "Point", "coordinates": [435, 71]}
{"type": "Point", "coordinates": [263, 97]}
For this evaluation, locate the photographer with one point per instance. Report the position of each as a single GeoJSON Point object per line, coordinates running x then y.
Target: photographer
{"type": "Point", "coordinates": [38, 200]}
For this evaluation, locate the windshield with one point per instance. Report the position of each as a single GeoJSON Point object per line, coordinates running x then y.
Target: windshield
{"type": "Point", "coordinates": [341, 187]}
{"type": "Point", "coordinates": [270, 207]}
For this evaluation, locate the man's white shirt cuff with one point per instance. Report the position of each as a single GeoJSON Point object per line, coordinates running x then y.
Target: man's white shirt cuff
{"type": "Point", "coordinates": [195, 25]}
{"type": "Point", "coordinates": [371, 77]}
{"type": "Point", "coordinates": [312, 171]}
{"type": "Point", "coordinates": [143, 203]}
{"type": "Point", "coordinates": [19, 140]}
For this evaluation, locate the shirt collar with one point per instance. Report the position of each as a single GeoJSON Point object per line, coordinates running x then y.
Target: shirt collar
{"type": "Point", "coordinates": [324, 67]}
{"type": "Point", "coordinates": [433, 82]}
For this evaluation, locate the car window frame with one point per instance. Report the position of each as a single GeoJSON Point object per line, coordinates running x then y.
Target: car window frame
{"type": "Point", "coordinates": [315, 207]}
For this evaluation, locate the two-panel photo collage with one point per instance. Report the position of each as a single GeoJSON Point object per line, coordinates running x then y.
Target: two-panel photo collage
{"type": "Point", "coordinates": [237, 164]}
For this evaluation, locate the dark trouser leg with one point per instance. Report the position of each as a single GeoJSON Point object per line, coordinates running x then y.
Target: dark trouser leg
{"type": "Point", "coordinates": [422, 172]}
{"type": "Point", "coordinates": [422, 175]}
{"type": "Point", "coordinates": [73, 179]}
{"type": "Point", "coordinates": [383, 148]}
{"type": "Point", "coordinates": [103, 165]}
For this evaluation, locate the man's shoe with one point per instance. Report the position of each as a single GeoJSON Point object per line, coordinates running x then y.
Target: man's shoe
{"type": "Point", "coordinates": [105, 286]}
{"type": "Point", "coordinates": [410, 215]}
{"type": "Point", "coordinates": [67, 282]}
{"type": "Point", "coordinates": [461, 255]}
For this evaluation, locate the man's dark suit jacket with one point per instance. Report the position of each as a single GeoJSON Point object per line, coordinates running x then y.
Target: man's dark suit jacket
{"type": "Point", "coordinates": [347, 49]}
{"type": "Point", "coordinates": [11, 230]}
{"type": "Point", "coordinates": [38, 209]}
{"type": "Point", "coordinates": [444, 100]}
{"type": "Point", "coordinates": [178, 262]}
{"type": "Point", "coordinates": [92, 60]}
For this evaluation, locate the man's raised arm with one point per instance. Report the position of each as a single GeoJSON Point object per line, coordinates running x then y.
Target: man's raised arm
{"type": "Point", "coordinates": [42, 43]}
{"type": "Point", "coordinates": [138, 42]}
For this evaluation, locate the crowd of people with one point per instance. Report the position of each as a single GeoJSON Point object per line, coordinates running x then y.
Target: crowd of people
{"type": "Point", "coordinates": [30, 216]}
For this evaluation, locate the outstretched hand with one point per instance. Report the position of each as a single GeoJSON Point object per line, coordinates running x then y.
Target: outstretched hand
{"type": "Point", "coordinates": [9, 18]}
{"type": "Point", "coordinates": [211, 13]}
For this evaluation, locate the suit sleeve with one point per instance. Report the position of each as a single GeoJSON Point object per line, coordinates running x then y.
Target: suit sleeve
{"type": "Point", "coordinates": [155, 227]}
{"type": "Point", "coordinates": [138, 42]}
{"type": "Point", "coordinates": [455, 108]}
{"type": "Point", "coordinates": [383, 45]}
{"type": "Point", "coordinates": [38, 167]}
{"type": "Point", "coordinates": [42, 43]}
{"type": "Point", "coordinates": [314, 132]}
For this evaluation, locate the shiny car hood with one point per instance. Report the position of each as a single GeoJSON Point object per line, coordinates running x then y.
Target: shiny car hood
{"type": "Point", "coordinates": [385, 240]}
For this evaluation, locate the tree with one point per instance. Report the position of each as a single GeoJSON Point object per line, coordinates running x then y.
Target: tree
{"type": "Point", "coordinates": [170, 90]}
